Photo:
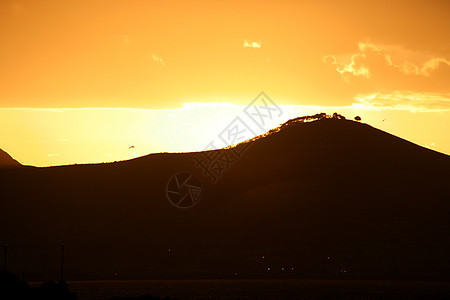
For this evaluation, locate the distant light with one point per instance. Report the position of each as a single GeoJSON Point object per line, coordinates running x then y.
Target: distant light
{"type": "Point", "coordinates": [328, 257]}
{"type": "Point", "coordinates": [282, 269]}
{"type": "Point", "coordinates": [292, 269]}
{"type": "Point", "coordinates": [268, 269]}
{"type": "Point", "coordinates": [263, 257]}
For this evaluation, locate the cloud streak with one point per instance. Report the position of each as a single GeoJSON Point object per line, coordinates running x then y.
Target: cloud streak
{"type": "Point", "coordinates": [158, 59]}
{"type": "Point", "coordinates": [404, 101]}
{"type": "Point", "coordinates": [426, 69]}
{"type": "Point", "coordinates": [372, 58]}
{"type": "Point", "coordinates": [248, 44]}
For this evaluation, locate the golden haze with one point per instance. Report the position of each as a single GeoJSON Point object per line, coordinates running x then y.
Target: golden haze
{"type": "Point", "coordinates": [143, 60]}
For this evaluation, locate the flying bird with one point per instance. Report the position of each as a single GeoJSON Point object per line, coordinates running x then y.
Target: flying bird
{"type": "Point", "coordinates": [131, 147]}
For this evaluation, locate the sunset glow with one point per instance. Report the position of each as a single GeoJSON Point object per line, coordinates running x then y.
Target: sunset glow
{"type": "Point", "coordinates": [82, 81]}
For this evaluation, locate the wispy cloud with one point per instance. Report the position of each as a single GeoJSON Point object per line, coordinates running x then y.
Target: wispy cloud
{"type": "Point", "coordinates": [356, 67]}
{"type": "Point", "coordinates": [248, 44]}
{"type": "Point", "coordinates": [426, 69]}
{"type": "Point", "coordinates": [158, 59]}
{"type": "Point", "coordinates": [385, 59]}
{"type": "Point", "coordinates": [404, 100]}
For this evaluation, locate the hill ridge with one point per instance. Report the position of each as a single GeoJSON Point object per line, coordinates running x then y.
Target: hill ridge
{"type": "Point", "coordinates": [7, 160]}
{"type": "Point", "coordinates": [376, 204]}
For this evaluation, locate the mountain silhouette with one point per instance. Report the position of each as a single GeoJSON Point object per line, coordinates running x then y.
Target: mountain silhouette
{"type": "Point", "coordinates": [330, 198]}
{"type": "Point", "coordinates": [7, 160]}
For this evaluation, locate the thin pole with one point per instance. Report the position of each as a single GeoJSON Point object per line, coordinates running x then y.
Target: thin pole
{"type": "Point", "coordinates": [62, 261]}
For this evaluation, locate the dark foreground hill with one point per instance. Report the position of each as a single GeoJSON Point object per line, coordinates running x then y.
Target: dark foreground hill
{"type": "Point", "coordinates": [7, 160]}
{"type": "Point", "coordinates": [324, 199]}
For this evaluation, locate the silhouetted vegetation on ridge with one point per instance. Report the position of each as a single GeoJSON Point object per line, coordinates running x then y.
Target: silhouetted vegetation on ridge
{"type": "Point", "coordinates": [293, 122]}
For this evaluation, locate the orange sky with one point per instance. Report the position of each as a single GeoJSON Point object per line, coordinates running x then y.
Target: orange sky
{"type": "Point", "coordinates": [384, 58]}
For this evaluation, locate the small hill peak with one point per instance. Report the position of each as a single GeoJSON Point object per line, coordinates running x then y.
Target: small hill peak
{"type": "Point", "coordinates": [7, 160]}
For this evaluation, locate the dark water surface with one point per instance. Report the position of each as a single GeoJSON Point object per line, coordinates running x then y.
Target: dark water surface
{"type": "Point", "coordinates": [261, 289]}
